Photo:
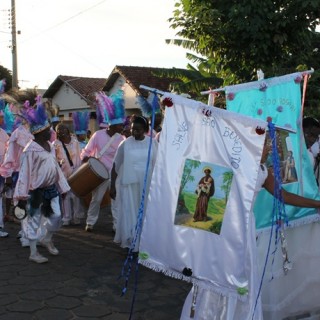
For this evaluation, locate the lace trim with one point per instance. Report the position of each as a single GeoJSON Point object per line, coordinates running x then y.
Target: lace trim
{"type": "Point", "coordinates": [227, 292]}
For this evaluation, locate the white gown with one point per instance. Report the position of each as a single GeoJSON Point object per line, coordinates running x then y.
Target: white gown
{"type": "Point", "coordinates": [130, 164]}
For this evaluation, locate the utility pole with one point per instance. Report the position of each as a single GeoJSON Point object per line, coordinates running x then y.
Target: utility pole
{"type": "Point", "coordinates": [14, 46]}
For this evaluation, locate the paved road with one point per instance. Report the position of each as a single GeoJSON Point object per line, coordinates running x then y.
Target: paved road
{"type": "Point", "coordinates": [82, 282]}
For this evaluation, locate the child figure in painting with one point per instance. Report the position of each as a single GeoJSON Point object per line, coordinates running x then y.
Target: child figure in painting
{"type": "Point", "coordinates": [290, 171]}
{"type": "Point", "coordinates": [205, 191]}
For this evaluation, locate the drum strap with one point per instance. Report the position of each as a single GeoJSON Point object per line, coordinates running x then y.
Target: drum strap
{"type": "Point", "coordinates": [106, 146]}
{"type": "Point", "coordinates": [68, 154]}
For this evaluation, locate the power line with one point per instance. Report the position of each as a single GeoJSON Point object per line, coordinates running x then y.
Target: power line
{"type": "Point", "coordinates": [66, 20]}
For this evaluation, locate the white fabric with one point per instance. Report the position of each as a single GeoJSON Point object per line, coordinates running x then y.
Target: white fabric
{"type": "Point", "coordinates": [130, 164]}
{"type": "Point", "coordinates": [72, 208]}
{"type": "Point", "coordinates": [94, 207]}
{"type": "Point", "coordinates": [297, 292]}
{"type": "Point", "coordinates": [33, 223]}
{"type": "Point", "coordinates": [210, 305]}
{"type": "Point", "coordinates": [221, 263]}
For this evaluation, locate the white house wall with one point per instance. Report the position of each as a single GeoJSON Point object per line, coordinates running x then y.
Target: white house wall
{"type": "Point", "coordinates": [69, 101]}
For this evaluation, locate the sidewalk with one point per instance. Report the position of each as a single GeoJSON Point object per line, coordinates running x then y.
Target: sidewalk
{"type": "Point", "coordinates": [82, 281]}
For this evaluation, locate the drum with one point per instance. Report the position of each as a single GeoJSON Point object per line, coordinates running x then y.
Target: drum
{"type": "Point", "coordinates": [105, 201]}
{"type": "Point", "coordinates": [88, 177]}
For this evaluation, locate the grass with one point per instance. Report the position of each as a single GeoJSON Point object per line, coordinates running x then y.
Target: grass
{"type": "Point", "coordinates": [215, 213]}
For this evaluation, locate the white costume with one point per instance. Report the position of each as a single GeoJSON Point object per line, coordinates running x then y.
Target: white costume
{"type": "Point", "coordinates": [40, 170]}
{"type": "Point", "coordinates": [72, 209]}
{"type": "Point", "coordinates": [130, 165]}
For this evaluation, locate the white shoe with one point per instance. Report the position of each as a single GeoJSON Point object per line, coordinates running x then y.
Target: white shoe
{"type": "Point", "coordinates": [4, 234]}
{"type": "Point", "coordinates": [89, 228]}
{"type": "Point", "coordinates": [66, 223]}
{"type": "Point", "coordinates": [50, 247]}
{"type": "Point", "coordinates": [38, 258]}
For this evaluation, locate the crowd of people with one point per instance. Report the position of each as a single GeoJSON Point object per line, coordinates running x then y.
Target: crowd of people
{"type": "Point", "coordinates": [39, 154]}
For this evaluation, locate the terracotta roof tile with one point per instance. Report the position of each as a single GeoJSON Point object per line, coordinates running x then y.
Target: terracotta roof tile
{"type": "Point", "coordinates": [137, 76]}
{"type": "Point", "coordinates": [85, 87]}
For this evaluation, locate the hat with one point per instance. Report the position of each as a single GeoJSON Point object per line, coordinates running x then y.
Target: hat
{"type": "Point", "coordinates": [37, 117]}
{"type": "Point", "coordinates": [80, 121]}
{"type": "Point", "coordinates": [110, 110]}
{"type": "Point", "coordinates": [147, 105]}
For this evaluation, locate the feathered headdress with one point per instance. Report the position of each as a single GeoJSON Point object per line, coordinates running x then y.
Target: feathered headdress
{"type": "Point", "coordinates": [9, 119]}
{"type": "Point", "coordinates": [2, 85]}
{"type": "Point", "coordinates": [148, 104]}
{"type": "Point", "coordinates": [2, 101]}
{"type": "Point", "coordinates": [53, 111]}
{"type": "Point", "coordinates": [37, 117]}
{"type": "Point", "coordinates": [118, 114]}
{"type": "Point", "coordinates": [80, 121]}
{"type": "Point", "coordinates": [104, 106]}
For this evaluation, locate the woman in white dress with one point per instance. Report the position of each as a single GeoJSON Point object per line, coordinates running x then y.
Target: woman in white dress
{"type": "Point", "coordinates": [208, 305]}
{"type": "Point", "coordinates": [127, 179]}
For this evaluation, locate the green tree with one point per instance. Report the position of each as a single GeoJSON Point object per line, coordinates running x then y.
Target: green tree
{"type": "Point", "coordinates": [226, 186]}
{"type": "Point", "coordinates": [187, 172]}
{"type": "Point", "coordinates": [6, 74]}
{"type": "Point", "coordinates": [242, 36]}
{"type": "Point", "coordinates": [230, 40]}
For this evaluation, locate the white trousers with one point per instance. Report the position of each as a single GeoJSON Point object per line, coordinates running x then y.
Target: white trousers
{"type": "Point", "coordinates": [32, 225]}
{"type": "Point", "coordinates": [97, 196]}
{"type": "Point", "coordinates": [71, 207]}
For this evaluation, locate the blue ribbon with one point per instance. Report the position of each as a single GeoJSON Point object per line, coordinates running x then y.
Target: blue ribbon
{"type": "Point", "coordinates": [127, 267]}
{"type": "Point", "coordinates": [279, 212]}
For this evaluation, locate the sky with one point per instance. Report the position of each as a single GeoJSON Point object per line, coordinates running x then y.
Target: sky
{"type": "Point", "coordinates": [87, 38]}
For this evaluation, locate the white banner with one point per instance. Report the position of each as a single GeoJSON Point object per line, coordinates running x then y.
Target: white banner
{"type": "Point", "coordinates": [191, 231]}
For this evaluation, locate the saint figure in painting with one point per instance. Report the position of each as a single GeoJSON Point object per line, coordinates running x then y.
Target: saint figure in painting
{"type": "Point", "coordinates": [205, 191]}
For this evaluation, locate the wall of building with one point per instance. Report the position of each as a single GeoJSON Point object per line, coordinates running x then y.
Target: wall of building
{"type": "Point", "coordinates": [69, 101]}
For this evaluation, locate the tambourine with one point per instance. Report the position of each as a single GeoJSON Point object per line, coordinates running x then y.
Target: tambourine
{"type": "Point", "coordinates": [19, 213]}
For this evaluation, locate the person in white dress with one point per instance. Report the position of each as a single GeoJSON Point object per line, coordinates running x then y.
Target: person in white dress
{"type": "Point", "coordinates": [127, 179]}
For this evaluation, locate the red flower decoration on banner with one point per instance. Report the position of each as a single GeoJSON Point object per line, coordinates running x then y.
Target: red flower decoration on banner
{"type": "Point", "coordinates": [297, 80]}
{"type": "Point", "coordinates": [230, 96]}
{"type": "Point", "coordinates": [207, 112]}
{"type": "Point", "coordinates": [167, 102]}
{"type": "Point", "coordinates": [263, 87]}
{"type": "Point", "coordinates": [259, 112]}
{"type": "Point", "coordinates": [280, 108]}
{"type": "Point", "coordinates": [260, 131]}
{"type": "Point", "coordinates": [269, 119]}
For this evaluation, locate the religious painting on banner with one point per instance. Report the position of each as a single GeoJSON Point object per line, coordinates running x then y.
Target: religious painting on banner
{"type": "Point", "coordinates": [279, 100]}
{"type": "Point", "coordinates": [203, 195]}
{"type": "Point", "coordinates": [204, 152]}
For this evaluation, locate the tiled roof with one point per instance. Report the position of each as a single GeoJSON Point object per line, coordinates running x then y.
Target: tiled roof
{"type": "Point", "coordinates": [136, 76]}
{"type": "Point", "coordinates": [85, 87]}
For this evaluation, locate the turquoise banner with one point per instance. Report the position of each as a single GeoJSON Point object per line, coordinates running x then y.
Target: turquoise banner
{"type": "Point", "coordinates": [279, 99]}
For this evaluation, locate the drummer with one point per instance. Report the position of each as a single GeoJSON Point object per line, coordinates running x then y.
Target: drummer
{"type": "Point", "coordinates": [109, 136]}
{"type": "Point", "coordinates": [67, 150]}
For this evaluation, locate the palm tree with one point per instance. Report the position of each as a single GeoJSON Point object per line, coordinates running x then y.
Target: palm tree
{"type": "Point", "coordinates": [227, 180]}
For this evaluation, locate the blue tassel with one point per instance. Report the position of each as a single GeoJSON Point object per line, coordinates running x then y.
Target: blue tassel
{"type": "Point", "coordinates": [127, 267]}
{"type": "Point", "coordinates": [279, 213]}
